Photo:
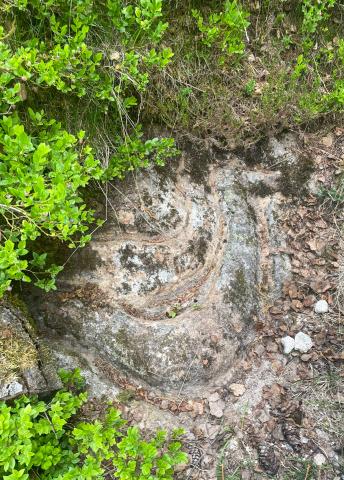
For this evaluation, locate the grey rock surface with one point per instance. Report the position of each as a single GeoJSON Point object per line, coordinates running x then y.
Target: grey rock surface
{"type": "Point", "coordinates": [25, 365]}
{"type": "Point", "coordinates": [177, 264]}
{"type": "Point", "coordinates": [146, 293]}
{"type": "Point", "coordinates": [319, 459]}
{"type": "Point", "coordinates": [68, 355]}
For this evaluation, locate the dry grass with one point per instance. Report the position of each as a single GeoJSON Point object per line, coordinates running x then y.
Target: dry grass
{"type": "Point", "coordinates": [209, 100]}
{"type": "Point", "coordinates": [17, 354]}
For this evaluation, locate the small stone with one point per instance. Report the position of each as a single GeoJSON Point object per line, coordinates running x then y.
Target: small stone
{"type": "Point", "coordinates": [319, 459]}
{"type": "Point", "coordinates": [11, 389]}
{"type": "Point", "coordinates": [306, 357]}
{"type": "Point", "coordinates": [288, 344]}
{"type": "Point", "coordinates": [321, 306]}
{"type": "Point", "coordinates": [237, 389]}
{"type": "Point", "coordinates": [303, 342]}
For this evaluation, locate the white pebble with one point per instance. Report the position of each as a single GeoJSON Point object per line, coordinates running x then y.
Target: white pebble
{"type": "Point", "coordinates": [319, 459]}
{"type": "Point", "coordinates": [321, 306]}
{"type": "Point", "coordinates": [288, 344]}
{"type": "Point", "coordinates": [303, 342]}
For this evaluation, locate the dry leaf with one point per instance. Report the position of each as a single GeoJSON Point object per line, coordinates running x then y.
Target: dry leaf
{"type": "Point", "coordinates": [327, 141]}
{"type": "Point", "coordinates": [320, 223]}
{"type": "Point", "coordinates": [237, 389]}
{"type": "Point", "coordinates": [272, 347]}
{"type": "Point", "coordinates": [296, 305]}
{"type": "Point", "coordinates": [316, 245]}
{"type": "Point", "coordinates": [306, 357]}
{"type": "Point", "coordinates": [320, 286]}
{"type": "Point", "coordinates": [293, 291]}
{"type": "Point", "coordinates": [275, 311]}
{"type": "Point", "coordinates": [309, 300]}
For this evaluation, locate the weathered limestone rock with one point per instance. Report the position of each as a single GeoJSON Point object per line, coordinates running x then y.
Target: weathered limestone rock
{"type": "Point", "coordinates": [69, 356]}
{"type": "Point", "coordinates": [24, 364]}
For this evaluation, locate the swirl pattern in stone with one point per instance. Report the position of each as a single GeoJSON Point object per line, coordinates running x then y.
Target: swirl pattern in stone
{"type": "Point", "coordinates": [167, 289]}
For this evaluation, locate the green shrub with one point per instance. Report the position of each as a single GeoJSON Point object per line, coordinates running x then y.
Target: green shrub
{"type": "Point", "coordinates": [335, 98]}
{"type": "Point", "coordinates": [138, 20]}
{"type": "Point", "coordinates": [319, 68]}
{"type": "Point", "coordinates": [44, 439]}
{"type": "Point", "coordinates": [315, 12]}
{"type": "Point", "coordinates": [249, 87]}
{"type": "Point", "coordinates": [41, 174]}
{"type": "Point", "coordinates": [60, 51]}
{"type": "Point", "coordinates": [225, 30]}
{"type": "Point", "coordinates": [52, 48]}
{"type": "Point", "coordinates": [134, 153]}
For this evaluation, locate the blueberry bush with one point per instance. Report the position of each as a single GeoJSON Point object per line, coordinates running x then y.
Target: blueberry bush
{"type": "Point", "coordinates": [46, 440]}
{"type": "Point", "coordinates": [55, 49]}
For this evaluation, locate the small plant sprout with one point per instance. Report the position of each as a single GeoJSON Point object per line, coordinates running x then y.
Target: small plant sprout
{"type": "Point", "coordinates": [174, 310]}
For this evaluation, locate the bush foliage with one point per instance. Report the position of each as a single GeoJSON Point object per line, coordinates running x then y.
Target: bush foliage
{"type": "Point", "coordinates": [283, 68]}
{"type": "Point", "coordinates": [77, 77]}
{"type": "Point", "coordinates": [225, 29]}
{"type": "Point", "coordinates": [44, 439]}
{"type": "Point", "coordinates": [52, 48]}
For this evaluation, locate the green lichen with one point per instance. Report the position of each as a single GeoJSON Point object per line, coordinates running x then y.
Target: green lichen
{"type": "Point", "coordinates": [240, 290]}
{"type": "Point", "coordinates": [125, 396]}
